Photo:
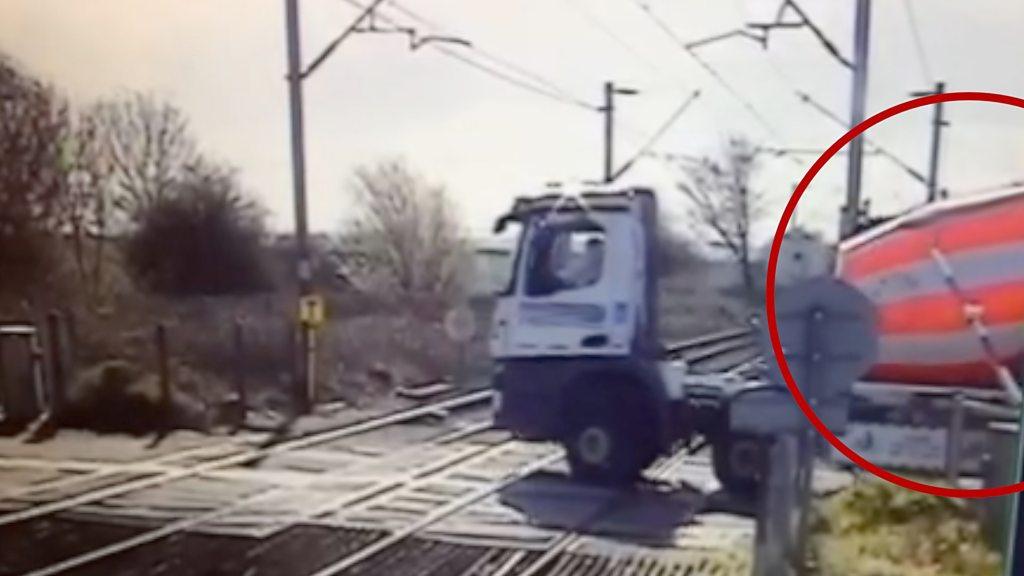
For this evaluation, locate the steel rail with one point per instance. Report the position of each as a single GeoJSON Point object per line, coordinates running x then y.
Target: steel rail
{"type": "Point", "coordinates": [435, 516]}
{"type": "Point", "coordinates": [92, 471]}
{"type": "Point", "coordinates": [676, 348]}
{"type": "Point", "coordinates": [243, 458]}
{"type": "Point", "coordinates": [269, 494]}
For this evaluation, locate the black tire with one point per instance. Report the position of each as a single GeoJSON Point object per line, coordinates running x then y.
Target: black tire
{"type": "Point", "coordinates": [740, 462]}
{"type": "Point", "coordinates": [608, 441]}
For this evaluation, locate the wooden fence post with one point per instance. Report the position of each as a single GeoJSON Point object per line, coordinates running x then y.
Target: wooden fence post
{"type": "Point", "coordinates": [38, 359]}
{"type": "Point", "coordinates": [239, 356]}
{"type": "Point", "coordinates": [4, 400]}
{"type": "Point", "coordinates": [58, 374]}
{"type": "Point", "coordinates": [163, 367]}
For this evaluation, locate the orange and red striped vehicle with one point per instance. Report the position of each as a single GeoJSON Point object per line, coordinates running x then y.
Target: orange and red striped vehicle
{"type": "Point", "coordinates": [947, 280]}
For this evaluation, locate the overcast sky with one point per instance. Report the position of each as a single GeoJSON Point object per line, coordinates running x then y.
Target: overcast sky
{"type": "Point", "coordinates": [223, 62]}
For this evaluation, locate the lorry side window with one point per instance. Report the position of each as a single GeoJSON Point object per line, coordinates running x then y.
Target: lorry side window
{"type": "Point", "coordinates": [510, 272]}
{"type": "Point", "coordinates": [565, 257]}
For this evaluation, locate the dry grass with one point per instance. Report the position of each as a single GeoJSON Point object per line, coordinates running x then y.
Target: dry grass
{"type": "Point", "coordinates": [369, 346]}
{"type": "Point", "coordinates": [876, 529]}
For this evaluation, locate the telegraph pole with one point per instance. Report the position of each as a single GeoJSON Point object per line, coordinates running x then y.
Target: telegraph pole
{"type": "Point", "coordinates": [851, 211]}
{"type": "Point", "coordinates": [304, 367]}
{"type": "Point", "coordinates": [610, 90]}
{"type": "Point", "coordinates": [938, 122]}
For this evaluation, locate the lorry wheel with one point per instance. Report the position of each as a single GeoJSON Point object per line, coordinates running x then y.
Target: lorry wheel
{"type": "Point", "coordinates": [739, 461]}
{"type": "Point", "coordinates": [607, 446]}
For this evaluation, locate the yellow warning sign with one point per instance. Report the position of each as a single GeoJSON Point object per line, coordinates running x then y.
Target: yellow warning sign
{"type": "Point", "coordinates": [311, 310]}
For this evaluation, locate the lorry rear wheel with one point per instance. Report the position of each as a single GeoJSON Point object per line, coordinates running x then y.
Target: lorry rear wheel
{"type": "Point", "coordinates": [605, 446]}
{"type": "Point", "coordinates": [740, 463]}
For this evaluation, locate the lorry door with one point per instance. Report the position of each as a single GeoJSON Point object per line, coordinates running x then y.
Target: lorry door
{"type": "Point", "coordinates": [574, 292]}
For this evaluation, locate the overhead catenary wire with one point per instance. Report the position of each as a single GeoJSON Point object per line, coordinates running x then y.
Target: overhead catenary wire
{"type": "Point", "coordinates": [875, 147]}
{"type": "Point", "coordinates": [915, 34]}
{"type": "Point", "coordinates": [333, 44]}
{"type": "Point", "coordinates": [517, 75]}
{"type": "Point", "coordinates": [760, 32]}
{"type": "Point", "coordinates": [498, 74]}
{"type": "Point", "coordinates": [587, 15]}
{"type": "Point", "coordinates": [1008, 185]}
{"type": "Point", "coordinates": [710, 70]}
{"type": "Point", "coordinates": [495, 59]}
{"type": "Point", "coordinates": [657, 134]}
{"type": "Point", "coordinates": [805, 21]}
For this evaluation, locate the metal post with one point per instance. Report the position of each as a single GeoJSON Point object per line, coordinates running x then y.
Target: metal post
{"type": "Point", "coordinates": [954, 439]}
{"type": "Point", "coordinates": [933, 166]}
{"type": "Point", "coordinates": [610, 91]}
{"type": "Point", "coordinates": [1013, 553]}
{"type": "Point", "coordinates": [609, 122]}
{"type": "Point", "coordinates": [309, 336]}
{"type": "Point", "coordinates": [303, 370]}
{"type": "Point", "coordinates": [774, 519]}
{"type": "Point", "coordinates": [58, 376]}
{"type": "Point", "coordinates": [805, 470]}
{"type": "Point", "coordinates": [851, 211]}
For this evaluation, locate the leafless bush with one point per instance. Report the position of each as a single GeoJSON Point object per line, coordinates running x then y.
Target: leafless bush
{"type": "Point", "coordinates": [405, 239]}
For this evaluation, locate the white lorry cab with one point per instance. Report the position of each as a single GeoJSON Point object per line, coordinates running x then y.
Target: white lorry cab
{"type": "Point", "coordinates": [575, 343]}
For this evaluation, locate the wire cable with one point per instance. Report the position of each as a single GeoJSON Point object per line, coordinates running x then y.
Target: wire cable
{"type": "Point", "coordinates": [608, 31]}
{"type": "Point", "coordinates": [1010, 185]}
{"type": "Point", "coordinates": [548, 84]}
{"type": "Point", "coordinates": [915, 33]}
{"type": "Point", "coordinates": [876, 148]}
{"type": "Point", "coordinates": [657, 135]}
{"type": "Point", "coordinates": [711, 71]}
{"type": "Point", "coordinates": [333, 45]}
{"type": "Point", "coordinates": [538, 86]}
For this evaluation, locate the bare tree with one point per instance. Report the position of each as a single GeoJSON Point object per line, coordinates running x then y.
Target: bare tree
{"type": "Point", "coordinates": [85, 205]}
{"type": "Point", "coordinates": [407, 230]}
{"type": "Point", "coordinates": [149, 147]}
{"type": "Point", "coordinates": [33, 123]}
{"type": "Point", "coordinates": [726, 203]}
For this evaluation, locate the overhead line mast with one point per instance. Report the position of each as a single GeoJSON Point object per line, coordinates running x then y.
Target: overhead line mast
{"type": "Point", "coordinates": [851, 211]}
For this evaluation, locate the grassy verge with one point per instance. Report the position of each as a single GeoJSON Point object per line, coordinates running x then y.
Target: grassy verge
{"type": "Point", "coordinates": [875, 528]}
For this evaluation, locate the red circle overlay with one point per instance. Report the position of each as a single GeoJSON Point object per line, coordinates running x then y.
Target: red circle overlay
{"type": "Point", "coordinates": [773, 330]}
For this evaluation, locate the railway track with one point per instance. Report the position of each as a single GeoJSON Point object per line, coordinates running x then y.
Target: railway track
{"type": "Point", "coordinates": [734, 350]}
{"type": "Point", "coordinates": [403, 493]}
{"type": "Point", "coordinates": [242, 457]}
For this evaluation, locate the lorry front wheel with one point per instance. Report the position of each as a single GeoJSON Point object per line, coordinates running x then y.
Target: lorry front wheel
{"type": "Point", "coordinates": [607, 446]}
{"type": "Point", "coordinates": [740, 463]}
